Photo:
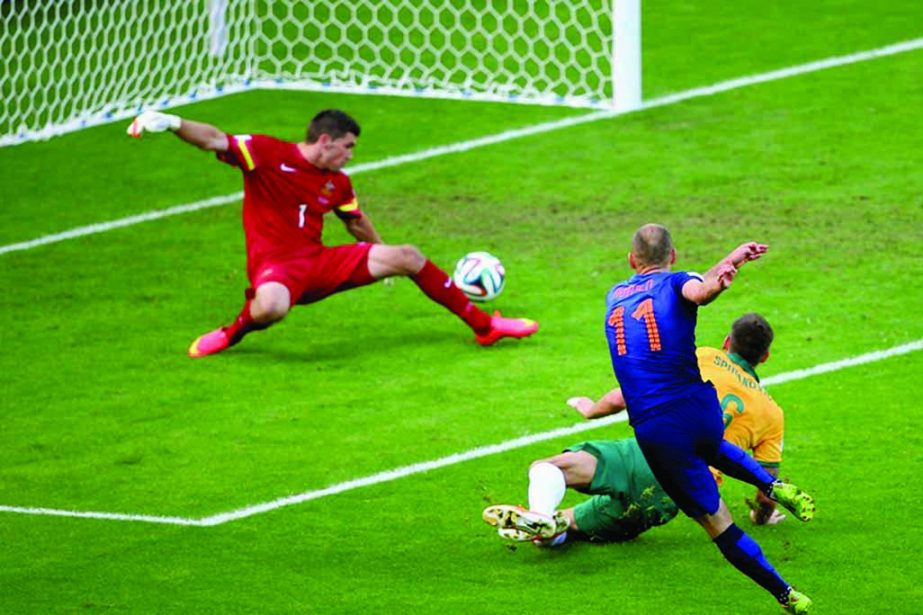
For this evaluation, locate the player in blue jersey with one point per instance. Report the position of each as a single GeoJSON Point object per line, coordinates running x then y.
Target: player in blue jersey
{"type": "Point", "coordinates": [626, 498]}
{"type": "Point", "coordinates": [677, 418]}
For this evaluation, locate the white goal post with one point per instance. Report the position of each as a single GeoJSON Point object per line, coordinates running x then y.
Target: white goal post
{"type": "Point", "coordinates": [70, 64]}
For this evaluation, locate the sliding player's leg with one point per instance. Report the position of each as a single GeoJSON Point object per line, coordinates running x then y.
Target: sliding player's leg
{"type": "Point", "coordinates": [301, 278]}
{"type": "Point", "coordinates": [548, 480]}
{"type": "Point", "coordinates": [385, 261]}
{"type": "Point", "coordinates": [628, 499]}
{"type": "Point", "coordinates": [605, 519]}
{"type": "Point", "coordinates": [269, 304]}
{"type": "Point", "coordinates": [518, 523]}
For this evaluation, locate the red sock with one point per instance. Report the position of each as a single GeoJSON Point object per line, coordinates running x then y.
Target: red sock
{"type": "Point", "coordinates": [242, 325]}
{"type": "Point", "coordinates": [438, 286]}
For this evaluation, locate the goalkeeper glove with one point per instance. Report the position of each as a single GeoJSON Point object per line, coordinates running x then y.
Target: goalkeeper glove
{"type": "Point", "coordinates": [154, 121]}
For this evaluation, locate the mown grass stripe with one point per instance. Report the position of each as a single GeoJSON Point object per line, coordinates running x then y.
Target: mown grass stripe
{"type": "Point", "coordinates": [450, 460]}
{"type": "Point", "coordinates": [509, 135]}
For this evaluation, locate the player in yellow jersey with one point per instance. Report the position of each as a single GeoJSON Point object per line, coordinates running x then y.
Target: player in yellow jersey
{"type": "Point", "coordinates": [752, 419]}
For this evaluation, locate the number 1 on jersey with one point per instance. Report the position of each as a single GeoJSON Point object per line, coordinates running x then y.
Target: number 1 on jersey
{"type": "Point", "coordinates": [617, 320]}
{"type": "Point", "coordinates": [645, 312]}
{"type": "Point", "coordinates": [301, 209]}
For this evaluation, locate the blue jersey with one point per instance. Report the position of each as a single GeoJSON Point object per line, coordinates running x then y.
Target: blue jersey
{"type": "Point", "coordinates": [650, 328]}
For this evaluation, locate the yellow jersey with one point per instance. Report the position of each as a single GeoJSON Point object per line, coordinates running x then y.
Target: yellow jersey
{"type": "Point", "coordinates": [752, 420]}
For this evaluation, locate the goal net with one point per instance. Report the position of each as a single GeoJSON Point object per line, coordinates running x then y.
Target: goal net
{"type": "Point", "coordinates": [70, 64]}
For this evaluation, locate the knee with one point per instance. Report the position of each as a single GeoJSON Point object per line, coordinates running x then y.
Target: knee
{"type": "Point", "coordinates": [577, 467]}
{"type": "Point", "coordinates": [558, 461]}
{"type": "Point", "coordinates": [717, 522]}
{"type": "Point", "coordinates": [551, 470]}
{"type": "Point", "coordinates": [410, 259]}
{"type": "Point", "coordinates": [266, 310]}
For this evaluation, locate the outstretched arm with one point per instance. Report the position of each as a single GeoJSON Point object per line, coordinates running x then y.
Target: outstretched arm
{"type": "Point", "coordinates": [719, 277]}
{"type": "Point", "coordinates": [746, 252]}
{"type": "Point", "coordinates": [204, 136]}
{"type": "Point", "coordinates": [610, 403]}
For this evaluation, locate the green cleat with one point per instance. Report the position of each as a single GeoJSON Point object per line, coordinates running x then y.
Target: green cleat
{"type": "Point", "coordinates": [794, 499]}
{"type": "Point", "coordinates": [798, 603]}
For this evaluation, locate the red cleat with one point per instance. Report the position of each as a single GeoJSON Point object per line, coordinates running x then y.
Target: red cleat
{"type": "Point", "coordinates": [501, 327]}
{"type": "Point", "coordinates": [210, 343]}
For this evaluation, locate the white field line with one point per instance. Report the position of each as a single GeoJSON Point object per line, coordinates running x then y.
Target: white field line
{"type": "Point", "coordinates": [502, 137]}
{"type": "Point", "coordinates": [54, 512]}
{"type": "Point", "coordinates": [784, 73]}
{"type": "Point", "coordinates": [869, 357]}
{"type": "Point", "coordinates": [426, 466]}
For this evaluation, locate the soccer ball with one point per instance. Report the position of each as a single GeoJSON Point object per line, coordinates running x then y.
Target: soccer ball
{"type": "Point", "coordinates": [480, 275]}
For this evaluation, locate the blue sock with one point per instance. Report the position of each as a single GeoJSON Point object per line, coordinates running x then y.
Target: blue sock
{"type": "Point", "coordinates": [743, 552]}
{"type": "Point", "coordinates": [735, 462]}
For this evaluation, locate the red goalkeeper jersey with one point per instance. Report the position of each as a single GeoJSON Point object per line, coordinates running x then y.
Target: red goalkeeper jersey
{"type": "Point", "coordinates": [285, 196]}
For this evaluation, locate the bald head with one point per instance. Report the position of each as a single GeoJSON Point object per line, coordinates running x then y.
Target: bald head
{"type": "Point", "coordinates": [652, 246]}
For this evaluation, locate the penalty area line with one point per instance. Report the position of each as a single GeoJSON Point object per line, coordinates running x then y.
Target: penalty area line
{"type": "Point", "coordinates": [107, 516]}
{"type": "Point", "coordinates": [509, 135]}
{"type": "Point", "coordinates": [869, 357]}
{"type": "Point", "coordinates": [427, 466]}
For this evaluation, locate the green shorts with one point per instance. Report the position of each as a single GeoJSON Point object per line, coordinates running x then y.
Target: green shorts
{"type": "Point", "coordinates": [627, 499]}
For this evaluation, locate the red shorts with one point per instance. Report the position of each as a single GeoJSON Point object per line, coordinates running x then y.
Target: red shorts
{"type": "Point", "coordinates": [315, 274]}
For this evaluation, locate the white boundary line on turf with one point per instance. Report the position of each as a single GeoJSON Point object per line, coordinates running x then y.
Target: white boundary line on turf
{"type": "Point", "coordinates": [426, 466]}
{"type": "Point", "coordinates": [106, 516]}
{"type": "Point", "coordinates": [502, 137]}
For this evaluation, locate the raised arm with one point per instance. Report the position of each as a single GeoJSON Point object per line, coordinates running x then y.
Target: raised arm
{"type": "Point", "coordinates": [204, 136]}
{"type": "Point", "coordinates": [746, 252]}
{"type": "Point", "coordinates": [719, 277]}
{"type": "Point", "coordinates": [611, 403]}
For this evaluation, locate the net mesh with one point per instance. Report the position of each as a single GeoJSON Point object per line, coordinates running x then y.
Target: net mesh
{"type": "Point", "coordinates": [73, 63]}
{"type": "Point", "coordinates": [69, 64]}
{"type": "Point", "coordinates": [538, 51]}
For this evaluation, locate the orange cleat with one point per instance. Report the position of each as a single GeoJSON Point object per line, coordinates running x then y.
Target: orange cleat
{"type": "Point", "coordinates": [210, 343]}
{"type": "Point", "coordinates": [501, 327]}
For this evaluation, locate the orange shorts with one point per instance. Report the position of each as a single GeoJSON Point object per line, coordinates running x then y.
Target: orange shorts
{"type": "Point", "coordinates": [315, 274]}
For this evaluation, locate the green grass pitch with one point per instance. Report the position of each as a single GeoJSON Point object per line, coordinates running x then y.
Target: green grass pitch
{"type": "Point", "coordinates": [102, 411]}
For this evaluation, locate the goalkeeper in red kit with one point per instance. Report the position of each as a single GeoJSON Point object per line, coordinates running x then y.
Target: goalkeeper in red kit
{"type": "Point", "coordinates": [288, 188]}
